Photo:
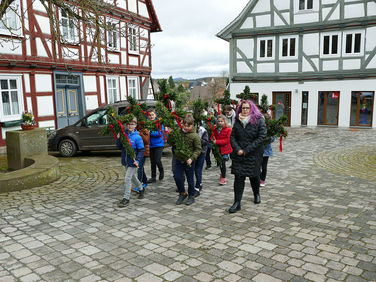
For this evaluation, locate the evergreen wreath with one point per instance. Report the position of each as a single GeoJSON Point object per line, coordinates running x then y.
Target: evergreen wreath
{"type": "Point", "coordinates": [247, 95]}
{"type": "Point", "coordinates": [116, 127]}
{"type": "Point", "coordinates": [226, 100]}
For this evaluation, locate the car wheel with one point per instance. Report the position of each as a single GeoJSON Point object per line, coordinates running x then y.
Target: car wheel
{"type": "Point", "coordinates": [67, 148]}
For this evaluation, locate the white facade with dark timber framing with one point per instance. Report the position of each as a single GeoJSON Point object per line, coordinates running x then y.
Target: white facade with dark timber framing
{"type": "Point", "coordinates": [314, 59]}
{"type": "Point", "coordinates": [60, 83]}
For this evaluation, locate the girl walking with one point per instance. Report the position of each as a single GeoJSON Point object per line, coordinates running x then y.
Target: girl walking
{"type": "Point", "coordinates": [222, 135]}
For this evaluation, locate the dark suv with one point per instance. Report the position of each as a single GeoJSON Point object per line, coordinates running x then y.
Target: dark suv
{"type": "Point", "coordinates": [84, 134]}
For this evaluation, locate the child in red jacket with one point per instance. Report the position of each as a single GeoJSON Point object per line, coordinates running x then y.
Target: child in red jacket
{"type": "Point", "coordinates": [222, 135]}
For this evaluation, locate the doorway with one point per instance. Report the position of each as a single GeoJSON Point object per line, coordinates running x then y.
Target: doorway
{"type": "Point", "coordinates": [361, 108]}
{"type": "Point", "coordinates": [282, 102]}
{"type": "Point", "coordinates": [68, 99]}
{"type": "Point", "coordinates": [304, 108]}
{"type": "Point", "coordinates": [328, 108]}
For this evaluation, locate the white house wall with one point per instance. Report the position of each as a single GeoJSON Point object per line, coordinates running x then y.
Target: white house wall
{"type": "Point", "coordinates": [43, 83]}
{"type": "Point", "coordinates": [345, 87]}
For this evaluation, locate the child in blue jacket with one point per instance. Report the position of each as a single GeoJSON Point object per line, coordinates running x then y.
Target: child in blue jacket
{"type": "Point", "coordinates": [131, 164]}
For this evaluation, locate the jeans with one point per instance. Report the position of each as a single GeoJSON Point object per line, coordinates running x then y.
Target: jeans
{"type": "Point", "coordinates": [223, 167]}
{"type": "Point", "coordinates": [155, 160]}
{"type": "Point", "coordinates": [141, 171]}
{"type": "Point", "coordinates": [130, 178]}
{"type": "Point", "coordinates": [208, 161]}
{"type": "Point", "coordinates": [198, 170]}
{"type": "Point", "coordinates": [182, 168]}
{"type": "Point", "coordinates": [264, 168]}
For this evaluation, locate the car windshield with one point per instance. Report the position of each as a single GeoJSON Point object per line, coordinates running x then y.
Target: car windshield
{"type": "Point", "coordinates": [97, 118]}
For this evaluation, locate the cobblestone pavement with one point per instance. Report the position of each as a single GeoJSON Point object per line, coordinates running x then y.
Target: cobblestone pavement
{"type": "Point", "coordinates": [317, 221]}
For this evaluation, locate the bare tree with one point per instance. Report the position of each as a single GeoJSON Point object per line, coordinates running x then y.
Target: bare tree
{"type": "Point", "coordinates": [69, 18]}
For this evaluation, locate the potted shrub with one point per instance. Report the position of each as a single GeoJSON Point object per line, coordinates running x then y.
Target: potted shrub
{"type": "Point", "coordinates": [28, 121]}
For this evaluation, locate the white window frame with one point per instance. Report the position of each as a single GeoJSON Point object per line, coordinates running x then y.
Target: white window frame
{"type": "Point", "coordinates": [315, 7]}
{"type": "Point", "coordinates": [331, 34]}
{"type": "Point", "coordinates": [20, 98]}
{"type": "Point", "coordinates": [266, 39]}
{"type": "Point", "coordinates": [113, 35]}
{"type": "Point", "coordinates": [133, 44]}
{"type": "Point", "coordinates": [288, 37]}
{"type": "Point", "coordinates": [133, 91]}
{"type": "Point", "coordinates": [12, 12]}
{"type": "Point", "coordinates": [111, 98]}
{"type": "Point", "coordinates": [71, 27]}
{"type": "Point", "coordinates": [362, 39]}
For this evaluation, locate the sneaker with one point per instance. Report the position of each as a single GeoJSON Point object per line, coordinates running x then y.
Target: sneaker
{"type": "Point", "coordinates": [123, 203]}
{"type": "Point", "coordinates": [191, 200]}
{"type": "Point", "coordinates": [262, 183]}
{"type": "Point", "coordinates": [152, 180]}
{"type": "Point", "coordinates": [181, 199]}
{"type": "Point", "coordinates": [142, 194]}
{"type": "Point", "coordinates": [207, 167]}
{"type": "Point", "coordinates": [222, 181]}
{"type": "Point", "coordinates": [197, 193]}
{"type": "Point", "coordinates": [135, 189]}
{"type": "Point", "coordinates": [144, 185]}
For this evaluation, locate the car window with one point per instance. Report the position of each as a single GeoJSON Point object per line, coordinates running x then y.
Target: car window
{"type": "Point", "coordinates": [97, 118]}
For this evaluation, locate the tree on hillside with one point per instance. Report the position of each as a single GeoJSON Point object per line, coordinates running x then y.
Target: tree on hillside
{"type": "Point", "coordinates": [171, 82]}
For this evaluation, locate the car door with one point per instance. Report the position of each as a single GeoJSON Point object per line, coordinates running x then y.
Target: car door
{"type": "Point", "coordinates": [89, 136]}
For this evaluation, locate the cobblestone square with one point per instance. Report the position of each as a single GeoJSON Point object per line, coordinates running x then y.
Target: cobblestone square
{"type": "Point", "coordinates": [316, 220]}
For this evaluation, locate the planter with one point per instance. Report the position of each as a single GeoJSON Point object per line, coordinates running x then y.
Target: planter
{"type": "Point", "coordinates": [28, 126]}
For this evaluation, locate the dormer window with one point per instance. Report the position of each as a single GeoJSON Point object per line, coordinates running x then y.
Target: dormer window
{"type": "Point", "coordinates": [305, 5]}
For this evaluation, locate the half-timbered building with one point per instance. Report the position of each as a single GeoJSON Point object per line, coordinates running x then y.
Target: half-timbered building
{"type": "Point", "coordinates": [314, 59]}
{"type": "Point", "coordinates": [61, 82]}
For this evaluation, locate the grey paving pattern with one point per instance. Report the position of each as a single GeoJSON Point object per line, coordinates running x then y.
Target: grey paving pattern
{"type": "Point", "coordinates": [316, 222]}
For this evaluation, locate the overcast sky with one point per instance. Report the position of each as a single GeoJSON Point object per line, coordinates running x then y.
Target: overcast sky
{"type": "Point", "coordinates": [188, 47]}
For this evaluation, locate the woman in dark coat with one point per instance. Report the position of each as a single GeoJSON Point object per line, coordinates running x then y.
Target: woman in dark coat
{"type": "Point", "coordinates": [247, 139]}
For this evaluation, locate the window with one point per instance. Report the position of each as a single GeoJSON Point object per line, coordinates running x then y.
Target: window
{"type": "Point", "coordinates": [97, 118]}
{"type": "Point", "coordinates": [265, 48]}
{"type": "Point", "coordinates": [328, 108]}
{"type": "Point", "coordinates": [305, 5]}
{"type": "Point", "coordinates": [288, 48]}
{"type": "Point", "coordinates": [112, 36]}
{"type": "Point", "coordinates": [361, 108]}
{"type": "Point", "coordinates": [11, 98]}
{"type": "Point", "coordinates": [10, 23]}
{"type": "Point", "coordinates": [68, 27]}
{"type": "Point", "coordinates": [354, 42]}
{"type": "Point", "coordinates": [132, 87]}
{"type": "Point", "coordinates": [132, 39]}
{"type": "Point", "coordinates": [330, 44]}
{"type": "Point", "coordinates": [112, 90]}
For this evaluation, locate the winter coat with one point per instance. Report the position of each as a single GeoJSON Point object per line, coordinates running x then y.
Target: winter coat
{"type": "Point", "coordinates": [268, 150]}
{"type": "Point", "coordinates": [204, 137]}
{"type": "Point", "coordinates": [137, 145]}
{"type": "Point", "coordinates": [250, 139]}
{"type": "Point", "coordinates": [193, 142]}
{"type": "Point", "coordinates": [222, 139]}
{"type": "Point", "coordinates": [145, 135]}
{"type": "Point", "coordinates": [156, 138]}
